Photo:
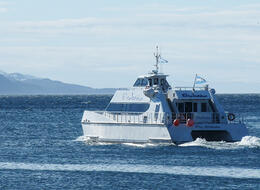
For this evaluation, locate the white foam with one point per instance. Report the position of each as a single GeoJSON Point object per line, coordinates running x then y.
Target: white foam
{"type": "Point", "coordinates": [249, 141]}
{"type": "Point", "coordinates": [232, 172]}
{"type": "Point", "coordinates": [81, 138]}
{"type": "Point", "coordinates": [246, 142]}
{"type": "Point", "coordinates": [144, 145]}
{"type": "Point", "coordinates": [136, 145]}
{"type": "Point", "coordinates": [197, 142]}
{"type": "Point", "coordinates": [213, 145]}
{"type": "Point", "coordinates": [141, 145]}
{"type": "Point", "coordinates": [89, 142]}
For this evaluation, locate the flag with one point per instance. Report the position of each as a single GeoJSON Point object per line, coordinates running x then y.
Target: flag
{"type": "Point", "coordinates": [199, 80]}
{"type": "Point", "coordinates": [163, 60]}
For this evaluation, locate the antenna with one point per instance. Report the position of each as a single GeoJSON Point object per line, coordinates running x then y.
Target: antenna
{"type": "Point", "coordinates": [157, 56]}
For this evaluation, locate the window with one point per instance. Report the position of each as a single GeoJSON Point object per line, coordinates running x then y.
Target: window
{"type": "Point", "coordinates": [188, 106]}
{"type": "Point", "coordinates": [181, 107]}
{"type": "Point", "coordinates": [164, 84]}
{"type": "Point", "coordinates": [141, 82]}
{"type": "Point", "coordinates": [204, 107]}
{"type": "Point", "coordinates": [137, 83]}
{"type": "Point", "coordinates": [117, 107]}
{"type": "Point", "coordinates": [162, 81]}
{"type": "Point", "coordinates": [195, 107]}
{"type": "Point", "coordinates": [156, 81]}
{"type": "Point", "coordinates": [144, 82]}
{"type": "Point", "coordinates": [167, 84]}
{"type": "Point", "coordinates": [150, 82]}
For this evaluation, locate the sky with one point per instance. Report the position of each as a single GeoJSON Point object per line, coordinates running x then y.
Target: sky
{"type": "Point", "coordinates": [105, 44]}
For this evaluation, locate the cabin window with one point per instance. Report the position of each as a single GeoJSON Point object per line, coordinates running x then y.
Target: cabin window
{"type": "Point", "coordinates": [204, 107]}
{"type": "Point", "coordinates": [144, 82]}
{"type": "Point", "coordinates": [135, 107]}
{"type": "Point", "coordinates": [188, 106]}
{"type": "Point", "coordinates": [162, 81]}
{"type": "Point", "coordinates": [164, 84]}
{"type": "Point", "coordinates": [141, 82]}
{"type": "Point", "coordinates": [181, 107]}
{"type": "Point", "coordinates": [195, 107]}
{"type": "Point", "coordinates": [157, 109]}
{"type": "Point", "coordinates": [156, 81]}
{"type": "Point", "coordinates": [138, 82]}
{"type": "Point", "coordinates": [150, 82]}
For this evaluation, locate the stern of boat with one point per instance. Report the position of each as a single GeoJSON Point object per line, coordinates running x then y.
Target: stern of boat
{"type": "Point", "coordinates": [230, 131]}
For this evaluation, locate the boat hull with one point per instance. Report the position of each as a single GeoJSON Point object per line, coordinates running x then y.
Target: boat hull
{"type": "Point", "coordinates": [133, 133]}
{"type": "Point", "coordinates": [104, 127]}
{"type": "Point", "coordinates": [155, 133]}
{"type": "Point", "coordinates": [231, 132]}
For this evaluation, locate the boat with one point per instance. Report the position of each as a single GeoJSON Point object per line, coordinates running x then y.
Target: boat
{"type": "Point", "coordinates": [153, 112]}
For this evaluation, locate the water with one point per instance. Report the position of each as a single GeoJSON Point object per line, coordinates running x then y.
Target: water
{"type": "Point", "coordinates": [41, 147]}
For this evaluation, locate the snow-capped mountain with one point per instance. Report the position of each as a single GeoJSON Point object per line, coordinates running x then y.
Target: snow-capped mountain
{"type": "Point", "coordinates": [16, 83]}
{"type": "Point", "coordinates": [20, 77]}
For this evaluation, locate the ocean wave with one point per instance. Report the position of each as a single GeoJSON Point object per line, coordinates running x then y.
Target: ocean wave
{"type": "Point", "coordinates": [246, 142]}
{"type": "Point", "coordinates": [144, 145]}
{"type": "Point", "coordinates": [249, 141]}
{"type": "Point", "coordinates": [208, 144]}
{"type": "Point", "coordinates": [87, 141]}
{"type": "Point", "coordinates": [216, 171]}
{"type": "Point", "coordinates": [141, 145]}
{"type": "Point", "coordinates": [81, 138]}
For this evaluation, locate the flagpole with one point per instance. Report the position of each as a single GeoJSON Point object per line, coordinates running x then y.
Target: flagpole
{"type": "Point", "coordinates": [194, 83]}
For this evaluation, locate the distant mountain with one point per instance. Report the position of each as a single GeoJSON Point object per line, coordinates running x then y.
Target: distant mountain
{"type": "Point", "coordinates": [19, 84]}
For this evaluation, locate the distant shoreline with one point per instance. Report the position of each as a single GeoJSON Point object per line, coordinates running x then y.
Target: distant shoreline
{"type": "Point", "coordinates": [109, 94]}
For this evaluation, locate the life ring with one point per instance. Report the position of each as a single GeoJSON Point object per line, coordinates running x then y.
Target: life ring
{"type": "Point", "coordinates": [231, 117]}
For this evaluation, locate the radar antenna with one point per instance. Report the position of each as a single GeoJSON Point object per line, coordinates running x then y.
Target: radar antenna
{"type": "Point", "coordinates": [157, 56]}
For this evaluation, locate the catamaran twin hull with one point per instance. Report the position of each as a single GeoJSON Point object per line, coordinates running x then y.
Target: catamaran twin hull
{"type": "Point", "coordinates": [126, 133]}
{"type": "Point", "coordinates": [122, 132]}
{"type": "Point", "coordinates": [152, 111]}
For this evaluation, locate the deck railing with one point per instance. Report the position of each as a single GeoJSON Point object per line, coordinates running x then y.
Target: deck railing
{"type": "Point", "coordinates": [188, 88]}
{"type": "Point", "coordinates": [136, 117]}
{"type": "Point", "coordinates": [166, 118]}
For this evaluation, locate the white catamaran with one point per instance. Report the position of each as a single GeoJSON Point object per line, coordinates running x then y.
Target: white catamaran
{"type": "Point", "coordinates": [151, 111]}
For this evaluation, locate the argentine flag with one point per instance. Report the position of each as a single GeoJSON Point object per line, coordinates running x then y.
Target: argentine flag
{"type": "Point", "coordinates": [163, 60]}
{"type": "Point", "coordinates": [199, 80]}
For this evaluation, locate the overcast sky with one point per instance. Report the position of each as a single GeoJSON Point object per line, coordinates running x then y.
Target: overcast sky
{"type": "Point", "coordinates": [109, 43]}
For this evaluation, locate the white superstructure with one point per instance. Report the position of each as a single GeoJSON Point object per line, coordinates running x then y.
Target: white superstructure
{"type": "Point", "coordinates": [151, 111]}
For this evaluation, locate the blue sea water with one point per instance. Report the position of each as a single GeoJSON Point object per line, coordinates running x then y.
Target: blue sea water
{"type": "Point", "coordinates": [41, 147]}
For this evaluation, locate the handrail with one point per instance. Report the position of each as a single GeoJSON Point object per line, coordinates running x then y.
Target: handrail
{"type": "Point", "coordinates": [136, 117]}
{"type": "Point", "coordinates": [185, 88]}
{"type": "Point", "coordinates": [167, 118]}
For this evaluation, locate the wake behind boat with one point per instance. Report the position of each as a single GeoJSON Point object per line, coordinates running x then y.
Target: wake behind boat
{"type": "Point", "coordinates": [151, 111]}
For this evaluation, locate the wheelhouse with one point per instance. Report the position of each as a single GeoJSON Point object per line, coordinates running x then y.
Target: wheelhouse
{"type": "Point", "coordinates": [153, 80]}
{"type": "Point", "coordinates": [197, 105]}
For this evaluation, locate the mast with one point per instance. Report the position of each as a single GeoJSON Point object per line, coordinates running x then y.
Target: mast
{"type": "Point", "coordinates": [157, 56]}
{"type": "Point", "coordinates": [193, 88]}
